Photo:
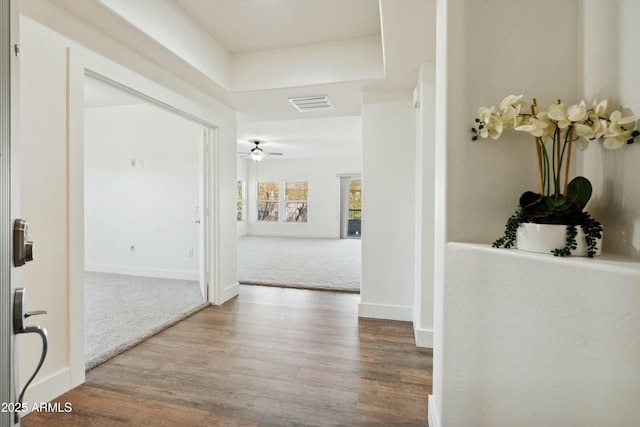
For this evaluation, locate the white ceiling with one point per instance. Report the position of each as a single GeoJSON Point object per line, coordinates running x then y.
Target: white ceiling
{"type": "Point", "coordinates": [273, 29]}
{"type": "Point", "coordinates": [321, 137]}
{"type": "Point", "coordinates": [253, 25]}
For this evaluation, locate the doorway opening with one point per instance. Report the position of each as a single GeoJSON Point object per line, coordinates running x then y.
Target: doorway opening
{"type": "Point", "coordinates": [350, 207]}
{"type": "Point", "coordinates": [274, 250]}
{"type": "Point", "coordinates": [145, 198]}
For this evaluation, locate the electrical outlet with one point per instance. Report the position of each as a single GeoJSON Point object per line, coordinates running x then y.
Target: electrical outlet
{"type": "Point", "coordinates": [132, 248]}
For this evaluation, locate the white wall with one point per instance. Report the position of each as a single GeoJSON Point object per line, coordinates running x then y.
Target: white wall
{"type": "Point", "coordinates": [388, 209]}
{"type": "Point", "coordinates": [152, 205]}
{"type": "Point", "coordinates": [611, 65]}
{"type": "Point", "coordinates": [540, 341]}
{"type": "Point", "coordinates": [324, 203]}
{"type": "Point", "coordinates": [487, 177]}
{"type": "Point", "coordinates": [516, 335]}
{"type": "Point", "coordinates": [52, 158]}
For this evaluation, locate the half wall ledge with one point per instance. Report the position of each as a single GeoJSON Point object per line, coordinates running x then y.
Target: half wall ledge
{"type": "Point", "coordinates": [529, 339]}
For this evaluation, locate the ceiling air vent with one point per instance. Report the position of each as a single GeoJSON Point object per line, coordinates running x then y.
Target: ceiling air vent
{"type": "Point", "coordinates": [312, 103]}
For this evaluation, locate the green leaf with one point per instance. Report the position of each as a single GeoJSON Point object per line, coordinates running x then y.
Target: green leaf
{"type": "Point", "coordinates": [529, 198]}
{"type": "Point", "coordinates": [579, 191]}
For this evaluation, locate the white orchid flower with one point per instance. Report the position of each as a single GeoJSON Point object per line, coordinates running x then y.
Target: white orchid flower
{"type": "Point", "coordinates": [512, 115]}
{"type": "Point", "coordinates": [511, 107]}
{"type": "Point", "coordinates": [559, 115]}
{"type": "Point", "coordinates": [495, 127]}
{"type": "Point", "coordinates": [550, 129]}
{"type": "Point", "coordinates": [485, 113]}
{"type": "Point", "coordinates": [490, 123]}
{"type": "Point", "coordinates": [583, 130]}
{"type": "Point", "coordinates": [619, 130]}
{"type": "Point", "coordinates": [577, 113]}
{"type": "Point", "coordinates": [597, 125]}
{"type": "Point", "coordinates": [618, 124]}
{"type": "Point", "coordinates": [534, 126]}
{"type": "Point", "coordinates": [599, 108]}
{"type": "Point", "coordinates": [600, 128]}
{"type": "Point", "coordinates": [615, 142]}
{"type": "Point", "coordinates": [510, 101]}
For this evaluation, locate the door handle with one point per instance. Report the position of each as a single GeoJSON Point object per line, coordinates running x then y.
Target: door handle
{"type": "Point", "coordinates": [20, 316]}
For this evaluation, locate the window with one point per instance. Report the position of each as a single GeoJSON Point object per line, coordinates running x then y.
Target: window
{"type": "Point", "coordinates": [241, 201]}
{"type": "Point", "coordinates": [288, 197]}
{"type": "Point", "coordinates": [355, 199]}
{"type": "Point", "coordinates": [296, 195]}
{"type": "Point", "coordinates": [268, 201]}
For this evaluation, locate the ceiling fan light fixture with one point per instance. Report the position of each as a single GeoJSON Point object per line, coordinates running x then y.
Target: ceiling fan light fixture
{"type": "Point", "coordinates": [256, 154]}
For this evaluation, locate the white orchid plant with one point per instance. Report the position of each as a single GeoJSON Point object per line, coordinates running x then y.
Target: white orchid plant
{"type": "Point", "coordinates": [555, 131]}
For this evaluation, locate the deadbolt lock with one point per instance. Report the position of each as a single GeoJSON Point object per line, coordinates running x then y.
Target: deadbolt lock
{"type": "Point", "coordinates": [22, 246]}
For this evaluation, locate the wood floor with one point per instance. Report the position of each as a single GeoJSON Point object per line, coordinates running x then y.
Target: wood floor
{"type": "Point", "coordinates": [271, 356]}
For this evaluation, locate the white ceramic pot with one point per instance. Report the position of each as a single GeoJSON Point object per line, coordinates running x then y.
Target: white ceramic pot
{"type": "Point", "coordinates": [544, 238]}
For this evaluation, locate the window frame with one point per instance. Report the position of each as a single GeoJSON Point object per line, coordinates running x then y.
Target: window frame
{"type": "Point", "coordinates": [241, 201]}
{"type": "Point", "coordinates": [281, 202]}
{"type": "Point", "coordinates": [277, 201]}
{"type": "Point", "coordinates": [287, 201]}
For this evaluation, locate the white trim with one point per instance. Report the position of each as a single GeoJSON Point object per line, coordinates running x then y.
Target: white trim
{"type": "Point", "coordinates": [75, 217]}
{"type": "Point", "coordinates": [434, 417]}
{"type": "Point", "coordinates": [213, 218]}
{"type": "Point", "coordinates": [299, 235]}
{"type": "Point", "coordinates": [48, 388]}
{"type": "Point", "coordinates": [384, 311]}
{"type": "Point", "coordinates": [230, 292]}
{"type": "Point", "coordinates": [204, 238]}
{"type": "Point", "coordinates": [10, 198]}
{"type": "Point", "coordinates": [144, 272]}
{"type": "Point", "coordinates": [424, 337]}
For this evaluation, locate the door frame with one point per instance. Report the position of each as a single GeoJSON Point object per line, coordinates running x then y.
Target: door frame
{"type": "Point", "coordinates": [201, 204]}
{"type": "Point", "coordinates": [9, 201]}
{"type": "Point", "coordinates": [203, 214]}
{"type": "Point", "coordinates": [343, 201]}
{"type": "Point", "coordinates": [81, 62]}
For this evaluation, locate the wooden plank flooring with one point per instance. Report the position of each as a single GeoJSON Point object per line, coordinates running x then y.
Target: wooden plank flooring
{"type": "Point", "coordinates": [271, 356]}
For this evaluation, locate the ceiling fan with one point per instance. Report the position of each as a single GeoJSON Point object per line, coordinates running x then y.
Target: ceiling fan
{"type": "Point", "coordinates": [257, 153]}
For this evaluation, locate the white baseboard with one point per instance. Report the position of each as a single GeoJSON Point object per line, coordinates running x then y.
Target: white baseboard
{"type": "Point", "coordinates": [144, 272]}
{"type": "Point", "coordinates": [383, 311]}
{"type": "Point", "coordinates": [424, 337]}
{"type": "Point", "coordinates": [48, 389]}
{"type": "Point", "coordinates": [230, 292]}
{"type": "Point", "coordinates": [298, 235]}
{"type": "Point", "coordinates": [434, 417]}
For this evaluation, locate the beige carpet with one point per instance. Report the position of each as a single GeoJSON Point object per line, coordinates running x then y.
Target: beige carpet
{"type": "Point", "coordinates": [330, 264]}
{"type": "Point", "coordinates": [121, 311]}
